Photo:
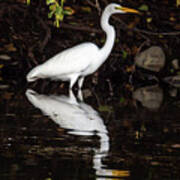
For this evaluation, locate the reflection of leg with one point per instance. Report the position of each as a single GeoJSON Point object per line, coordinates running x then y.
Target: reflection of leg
{"type": "Point", "coordinates": [71, 95]}
{"type": "Point", "coordinates": [80, 95]}
{"type": "Point", "coordinates": [73, 80]}
{"type": "Point", "coordinates": [80, 82]}
{"type": "Point", "coordinates": [101, 152]}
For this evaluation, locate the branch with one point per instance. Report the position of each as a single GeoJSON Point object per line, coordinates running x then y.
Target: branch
{"type": "Point", "coordinates": [145, 32]}
{"type": "Point", "coordinates": [81, 28]}
{"type": "Point", "coordinates": [48, 32]}
{"type": "Point", "coordinates": [174, 33]}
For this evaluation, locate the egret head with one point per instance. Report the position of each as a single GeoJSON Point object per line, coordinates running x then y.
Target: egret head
{"type": "Point", "coordinates": [114, 8]}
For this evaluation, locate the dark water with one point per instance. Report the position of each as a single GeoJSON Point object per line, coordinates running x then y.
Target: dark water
{"type": "Point", "coordinates": [59, 136]}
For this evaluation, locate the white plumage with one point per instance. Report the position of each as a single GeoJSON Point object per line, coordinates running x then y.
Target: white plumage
{"type": "Point", "coordinates": [81, 60]}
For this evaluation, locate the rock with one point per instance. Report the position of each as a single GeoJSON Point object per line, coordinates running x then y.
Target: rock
{"type": "Point", "coordinates": [4, 57]}
{"type": "Point", "coordinates": [175, 64]}
{"type": "Point", "coordinates": [173, 80]}
{"type": "Point", "coordinates": [173, 92]}
{"type": "Point", "coordinates": [4, 86]}
{"type": "Point", "coordinates": [152, 59]}
{"type": "Point", "coordinates": [151, 97]}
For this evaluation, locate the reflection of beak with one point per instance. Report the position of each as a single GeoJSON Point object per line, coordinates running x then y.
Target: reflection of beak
{"type": "Point", "coordinates": [128, 10]}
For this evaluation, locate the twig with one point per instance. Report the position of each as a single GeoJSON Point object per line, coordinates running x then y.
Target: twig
{"type": "Point", "coordinates": [110, 87]}
{"type": "Point", "coordinates": [105, 2]}
{"type": "Point", "coordinates": [96, 5]}
{"type": "Point", "coordinates": [31, 54]}
{"type": "Point", "coordinates": [81, 28]}
{"type": "Point", "coordinates": [48, 32]}
{"type": "Point", "coordinates": [175, 33]}
{"type": "Point", "coordinates": [140, 47]}
{"type": "Point", "coordinates": [97, 98]}
{"type": "Point", "coordinates": [125, 26]}
{"type": "Point", "coordinates": [143, 33]}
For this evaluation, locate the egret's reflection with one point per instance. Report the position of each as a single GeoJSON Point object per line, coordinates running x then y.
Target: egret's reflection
{"type": "Point", "coordinates": [78, 117]}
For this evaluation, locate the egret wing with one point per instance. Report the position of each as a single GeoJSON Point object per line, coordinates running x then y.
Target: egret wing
{"type": "Point", "coordinates": [73, 60]}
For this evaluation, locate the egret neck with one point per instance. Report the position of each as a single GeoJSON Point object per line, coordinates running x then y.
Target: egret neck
{"type": "Point", "coordinates": [110, 35]}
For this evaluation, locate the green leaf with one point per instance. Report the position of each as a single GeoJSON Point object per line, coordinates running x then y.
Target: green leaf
{"type": "Point", "coordinates": [171, 70]}
{"type": "Point", "coordinates": [59, 13]}
{"type": "Point", "coordinates": [105, 108]}
{"type": "Point", "coordinates": [102, 40]}
{"type": "Point", "coordinates": [59, 17]}
{"type": "Point", "coordinates": [50, 2]}
{"type": "Point", "coordinates": [73, 23]}
{"type": "Point", "coordinates": [50, 14]}
{"type": "Point", "coordinates": [59, 10]}
{"type": "Point", "coordinates": [48, 178]}
{"type": "Point", "coordinates": [124, 54]}
{"type": "Point", "coordinates": [56, 23]}
{"type": "Point", "coordinates": [28, 2]}
{"type": "Point", "coordinates": [86, 9]}
{"type": "Point", "coordinates": [68, 12]}
{"type": "Point", "coordinates": [117, 40]}
{"type": "Point", "coordinates": [1, 66]}
{"type": "Point", "coordinates": [143, 7]}
{"type": "Point", "coordinates": [149, 19]}
{"type": "Point", "coordinates": [122, 100]}
{"type": "Point", "coordinates": [62, 3]}
{"type": "Point", "coordinates": [52, 7]}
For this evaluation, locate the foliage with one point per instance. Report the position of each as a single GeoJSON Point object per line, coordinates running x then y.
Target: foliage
{"type": "Point", "coordinates": [177, 3]}
{"type": "Point", "coordinates": [28, 2]}
{"type": "Point", "coordinates": [144, 7]}
{"type": "Point", "coordinates": [105, 108]}
{"type": "Point", "coordinates": [57, 10]}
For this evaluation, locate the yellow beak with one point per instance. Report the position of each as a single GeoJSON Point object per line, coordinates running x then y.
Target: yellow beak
{"type": "Point", "coordinates": [128, 10]}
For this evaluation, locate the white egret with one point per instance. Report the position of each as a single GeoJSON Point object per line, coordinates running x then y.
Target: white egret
{"type": "Point", "coordinates": [84, 59]}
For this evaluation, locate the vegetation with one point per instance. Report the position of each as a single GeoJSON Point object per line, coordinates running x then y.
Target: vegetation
{"type": "Point", "coordinates": [57, 10]}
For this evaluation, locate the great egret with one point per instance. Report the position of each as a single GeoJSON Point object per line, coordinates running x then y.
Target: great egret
{"type": "Point", "coordinates": [84, 59]}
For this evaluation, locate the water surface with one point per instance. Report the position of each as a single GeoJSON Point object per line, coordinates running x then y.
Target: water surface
{"type": "Point", "coordinates": [86, 136]}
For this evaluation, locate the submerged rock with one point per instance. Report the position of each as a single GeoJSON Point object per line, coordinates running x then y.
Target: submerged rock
{"type": "Point", "coordinates": [173, 92]}
{"type": "Point", "coordinates": [152, 59]}
{"type": "Point", "coordinates": [151, 97]}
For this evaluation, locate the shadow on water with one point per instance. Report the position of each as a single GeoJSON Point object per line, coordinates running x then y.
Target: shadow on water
{"type": "Point", "coordinates": [50, 136]}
